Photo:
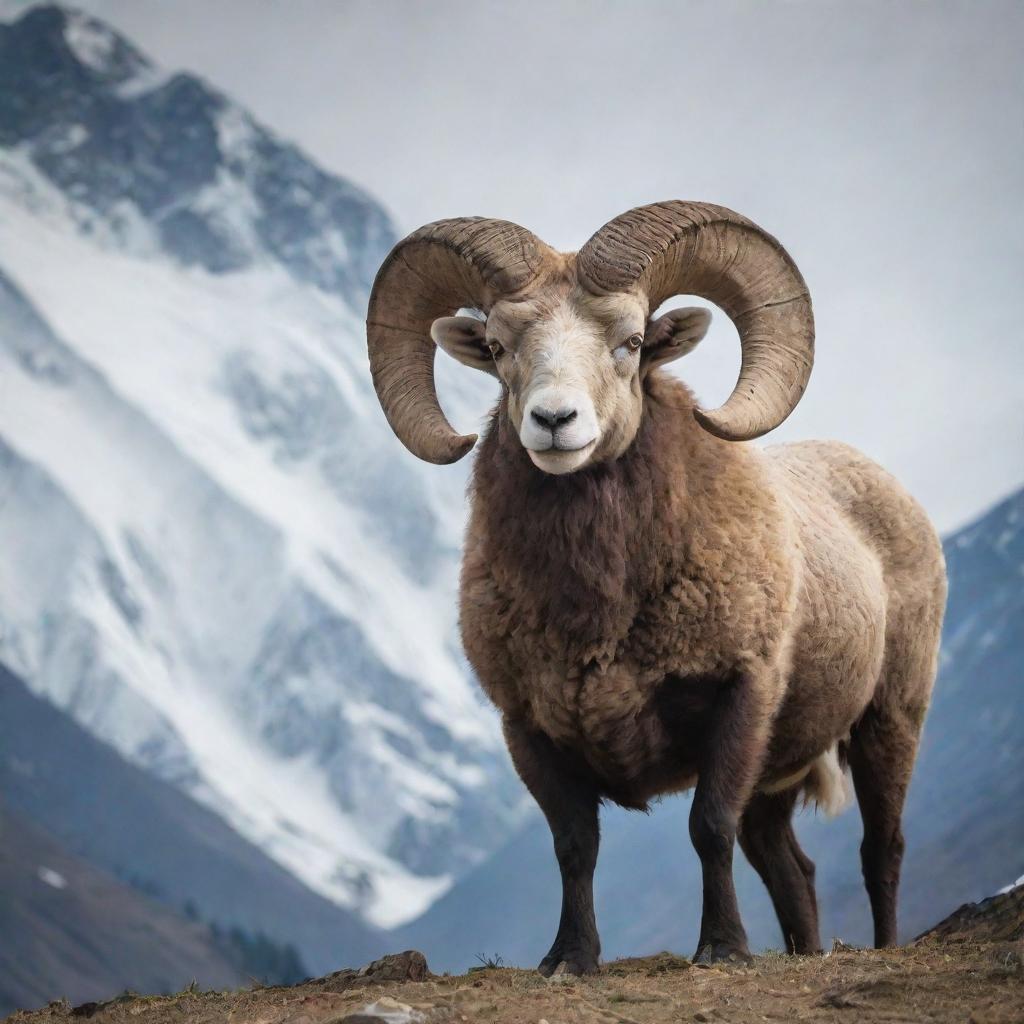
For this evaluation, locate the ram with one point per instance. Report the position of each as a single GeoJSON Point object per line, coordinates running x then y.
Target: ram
{"type": "Point", "coordinates": [652, 603]}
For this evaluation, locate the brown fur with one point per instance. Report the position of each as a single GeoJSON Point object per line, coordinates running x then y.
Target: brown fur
{"type": "Point", "coordinates": [582, 593]}
{"type": "Point", "coordinates": [703, 612]}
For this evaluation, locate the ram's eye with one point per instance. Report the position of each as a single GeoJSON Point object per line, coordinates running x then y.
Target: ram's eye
{"type": "Point", "coordinates": [495, 347]}
{"type": "Point", "coordinates": [634, 341]}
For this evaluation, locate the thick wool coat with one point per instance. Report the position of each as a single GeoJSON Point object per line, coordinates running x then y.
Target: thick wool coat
{"type": "Point", "coordinates": [609, 608]}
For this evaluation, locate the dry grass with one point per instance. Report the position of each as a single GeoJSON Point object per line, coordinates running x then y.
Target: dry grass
{"type": "Point", "coordinates": [979, 982]}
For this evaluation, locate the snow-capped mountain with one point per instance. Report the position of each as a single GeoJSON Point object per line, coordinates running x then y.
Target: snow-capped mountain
{"type": "Point", "coordinates": [215, 556]}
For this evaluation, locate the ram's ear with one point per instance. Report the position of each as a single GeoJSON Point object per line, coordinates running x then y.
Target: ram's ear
{"type": "Point", "coordinates": [674, 334]}
{"type": "Point", "coordinates": [462, 337]}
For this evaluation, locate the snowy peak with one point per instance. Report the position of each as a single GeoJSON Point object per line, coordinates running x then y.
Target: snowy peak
{"type": "Point", "coordinates": [985, 565]}
{"type": "Point", "coordinates": [67, 50]}
{"type": "Point", "coordinates": [211, 186]}
{"type": "Point", "coordinates": [990, 548]}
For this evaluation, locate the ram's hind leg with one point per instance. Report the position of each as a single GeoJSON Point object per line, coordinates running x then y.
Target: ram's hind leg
{"type": "Point", "coordinates": [883, 746]}
{"type": "Point", "coordinates": [767, 838]}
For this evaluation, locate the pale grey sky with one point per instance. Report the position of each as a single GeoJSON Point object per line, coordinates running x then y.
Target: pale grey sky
{"type": "Point", "coordinates": [883, 143]}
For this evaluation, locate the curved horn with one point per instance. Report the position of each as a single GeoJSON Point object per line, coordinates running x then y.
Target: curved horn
{"type": "Point", "coordinates": [468, 261]}
{"type": "Point", "coordinates": [695, 248]}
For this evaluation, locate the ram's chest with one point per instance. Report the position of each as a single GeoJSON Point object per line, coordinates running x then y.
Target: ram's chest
{"type": "Point", "coordinates": [641, 730]}
{"type": "Point", "coordinates": [623, 692]}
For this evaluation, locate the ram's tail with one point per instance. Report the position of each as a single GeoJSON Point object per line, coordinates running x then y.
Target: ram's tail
{"type": "Point", "coordinates": [827, 785]}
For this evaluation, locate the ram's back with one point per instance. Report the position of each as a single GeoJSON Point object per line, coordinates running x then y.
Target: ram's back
{"type": "Point", "coordinates": [843, 501]}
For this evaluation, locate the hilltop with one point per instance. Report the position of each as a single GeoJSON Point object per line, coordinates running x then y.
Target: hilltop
{"type": "Point", "coordinates": [967, 968]}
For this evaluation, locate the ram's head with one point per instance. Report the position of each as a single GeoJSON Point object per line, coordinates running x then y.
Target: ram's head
{"type": "Point", "coordinates": [569, 335]}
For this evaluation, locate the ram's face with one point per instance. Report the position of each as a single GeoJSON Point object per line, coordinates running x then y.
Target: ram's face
{"type": "Point", "coordinates": [573, 364]}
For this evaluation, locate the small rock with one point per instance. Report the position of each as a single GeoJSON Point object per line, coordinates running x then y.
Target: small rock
{"type": "Point", "coordinates": [703, 1016]}
{"type": "Point", "coordinates": [408, 966]}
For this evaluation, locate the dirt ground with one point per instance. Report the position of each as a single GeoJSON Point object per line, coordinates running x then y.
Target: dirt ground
{"type": "Point", "coordinates": [968, 970]}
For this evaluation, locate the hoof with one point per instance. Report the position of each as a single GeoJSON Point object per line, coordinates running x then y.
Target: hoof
{"type": "Point", "coordinates": [807, 950]}
{"type": "Point", "coordinates": [722, 953]}
{"type": "Point", "coordinates": [572, 962]}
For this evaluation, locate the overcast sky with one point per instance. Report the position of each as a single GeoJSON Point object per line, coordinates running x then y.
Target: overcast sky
{"type": "Point", "coordinates": [882, 143]}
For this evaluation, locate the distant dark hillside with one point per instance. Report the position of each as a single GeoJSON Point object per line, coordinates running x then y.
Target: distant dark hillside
{"type": "Point", "coordinates": [71, 930]}
{"type": "Point", "coordinates": [133, 827]}
{"type": "Point", "coordinates": [964, 820]}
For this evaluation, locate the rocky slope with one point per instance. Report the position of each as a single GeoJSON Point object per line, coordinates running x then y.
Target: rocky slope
{"type": "Point", "coordinates": [970, 969]}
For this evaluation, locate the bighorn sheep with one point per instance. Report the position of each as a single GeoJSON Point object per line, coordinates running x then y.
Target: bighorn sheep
{"type": "Point", "coordinates": [652, 604]}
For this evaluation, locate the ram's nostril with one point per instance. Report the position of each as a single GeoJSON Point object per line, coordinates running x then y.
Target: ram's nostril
{"type": "Point", "coordinates": [553, 420]}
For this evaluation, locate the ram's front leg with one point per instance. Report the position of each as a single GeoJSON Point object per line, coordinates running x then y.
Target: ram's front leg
{"type": "Point", "coordinates": [569, 801]}
{"type": "Point", "coordinates": [728, 766]}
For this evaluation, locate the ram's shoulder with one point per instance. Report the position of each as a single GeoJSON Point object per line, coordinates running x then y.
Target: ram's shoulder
{"type": "Point", "coordinates": [833, 468]}
{"type": "Point", "coordinates": [836, 479]}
